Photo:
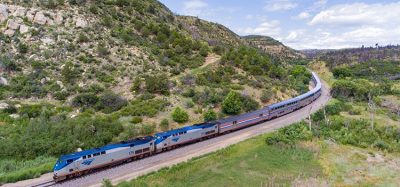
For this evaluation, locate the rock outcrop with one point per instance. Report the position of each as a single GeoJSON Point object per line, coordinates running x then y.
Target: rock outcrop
{"type": "Point", "coordinates": [3, 13]}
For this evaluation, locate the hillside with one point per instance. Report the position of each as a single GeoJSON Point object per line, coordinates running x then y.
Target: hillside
{"type": "Point", "coordinates": [273, 47]}
{"type": "Point", "coordinates": [115, 70]}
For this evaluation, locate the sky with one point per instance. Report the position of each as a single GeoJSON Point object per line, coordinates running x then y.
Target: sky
{"type": "Point", "coordinates": [303, 24]}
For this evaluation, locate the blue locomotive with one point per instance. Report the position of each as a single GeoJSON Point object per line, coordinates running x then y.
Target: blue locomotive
{"type": "Point", "coordinates": [80, 163]}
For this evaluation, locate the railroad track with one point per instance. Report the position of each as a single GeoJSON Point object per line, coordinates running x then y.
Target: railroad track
{"type": "Point", "coordinates": [45, 184]}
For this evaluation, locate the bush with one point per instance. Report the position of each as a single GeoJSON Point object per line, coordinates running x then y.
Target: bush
{"type": "Point", "coordinates": [179, 115]}
{"type": "Point", "coordinates": [164, 124]}
{"type": "Point", "coordinates": [232, 103]}
{"type": "Point", "coordinates": [290, 135]}
{"type": "Point", "coordinates": [266, 95]}
{"type": "Point", "coordinates": [342, 72]}
{"type": "Point", "coordinates": [136, 120]}
{"type": "Point", "coordinates": [147, 129]}
{"type": "Point", "coordinates": [111, 102]}
{"type": "Point", "coordinates": [85, 100]}
{"type": "Point", "coordinates": [102, 50]}
{"type": "Point", "coordinates": [249, 104]}
{"type": "Point", "coordinates": [157, 84]}
{"type": "Point", "coordinates": [83, 38]}
{"type": "Point", "coordinates": [210, 115]}
{"type": "Point", "coordinates": [23, 48]}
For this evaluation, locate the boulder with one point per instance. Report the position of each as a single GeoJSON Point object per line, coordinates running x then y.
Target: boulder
{"type": "Point", "coordinates": [14, 116]}
{"type": "Point", "coordinates": [23, 29]}
{"type": "Point", "coordinates": [3, 81]}
{"type": "Point", "coordinates": [58, 19]}
{"type": "Point", "coordinates": [47, 41]}
{"type": "Point", "coordinates": [40, 18]}
{"type": "Point", "coordinates": [49, 22]}
{"type": "Point", "coordinates": [3, 13]}
{"type": "Point", "coordinates": [9, 32]}
{"type": "Point", "coordinates": [31, 15]}
{"type": "Point", "coordinates": [3, 106]}
{"type": "Point", "coordinates": [80, 23]}
{"type": "Point", "coordinates": [14, 23]}
{"type": "Point", "coordinates": [19, 12]}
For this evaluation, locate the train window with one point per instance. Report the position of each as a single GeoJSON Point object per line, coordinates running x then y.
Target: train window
{"type": "Point", "coordinates": [234, 122]}
{"type": "Point", "coordinates": [84, 157]}
{"type": "Point", "coordinates": [131, 145]}
{"type": "Point", "coordinates": [151, 143]}
{"type": "Point", "coordinates": [261, 115]}
{"type": "Point", "coordinates": [146, 149]}
{"type": "Point", "coordinates": [89, 156]}
{"type": "Point", "coordinates": [138, 151]}
{"type": "Point", "coordinates": [71, 170]}
{"type": "Point", "coordinates": [103, 152]}
{"type": "Point", "coordinates": [69, 161]}
{"type": "Point", "coordinates": [96, 154]}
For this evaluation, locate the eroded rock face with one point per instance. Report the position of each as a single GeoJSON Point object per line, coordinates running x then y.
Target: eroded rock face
{"type": "Point", "coordinates": [40, 18]}
{"type": "Point", "coordinates": [3, 13]}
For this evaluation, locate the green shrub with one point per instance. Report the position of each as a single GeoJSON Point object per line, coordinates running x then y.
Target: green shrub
{"type": "Point", "coordinates": [342, 72]}
{"type": "Point", "coordinates": [249, 104]}
{"type": "Point", "coordinates": [179, 115]}
{"type": "Point", "coordinates": [164, 124]}
{"type": "Point", "coordinates": [147, 129]}
{"type": "Point", "coordinates": [83, 38]}
{"type": "Point", "coordinates": [157, 84]}
{"type": "Point", "coordinates": [111, 102]}
{"type": "Point", "coordinates": [232, 103]}
{"type": "Point", "coordinates": [85, 100]}
{"type": "Point", "coordinates": [23, 48]}
{"type": "Point", "coordinates": [266, 95]}
{"type": "Point", "coordinates": [210, 115]}
{"type": "Point", "coordinates": [136, 119]}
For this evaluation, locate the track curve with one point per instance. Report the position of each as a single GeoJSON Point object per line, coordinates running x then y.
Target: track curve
{"type": "Point", "coordinates": [134, 169]}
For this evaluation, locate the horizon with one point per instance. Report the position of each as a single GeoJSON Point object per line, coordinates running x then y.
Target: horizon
{"type": "Point", "coordinates": [309, 24]}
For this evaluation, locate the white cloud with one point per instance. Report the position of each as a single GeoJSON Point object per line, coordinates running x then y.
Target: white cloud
{"type": "Point", "coordinates": [349, 25]}
{"type": "Point", "coordinates": [303, 15]}
{"type": "Point", "coordinates": [194, 7]}
{"type": "Point", "coordinates": [266, 28]}
{"type": "Point", "coordinates": [357, 14]}
{"type": "Point", "coordinates": [279, 5]}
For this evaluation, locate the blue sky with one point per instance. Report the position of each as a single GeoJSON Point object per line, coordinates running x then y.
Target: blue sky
{"type": "Point", "coordinates": [303, 24]}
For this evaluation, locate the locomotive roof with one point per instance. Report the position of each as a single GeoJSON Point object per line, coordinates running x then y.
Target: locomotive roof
{"type": "Point", "coordinates": [136, 141]}
{"type": "Point", "coordinates": [187, 128]}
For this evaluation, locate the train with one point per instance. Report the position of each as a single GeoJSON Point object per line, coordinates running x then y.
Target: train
{"type": "Point", "coordinates": [86, 161]}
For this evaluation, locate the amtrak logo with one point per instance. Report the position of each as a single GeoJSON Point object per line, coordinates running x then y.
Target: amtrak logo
{"type": "Point", "coordinates": [175, 139]}
{"type": "Point", "coordinates": [88, 162]}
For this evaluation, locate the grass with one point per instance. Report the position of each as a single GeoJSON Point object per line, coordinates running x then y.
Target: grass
{"type": "Point", "coordinates": [352, 166]}
{"type": "Point", "coordinates": [16, 170]}
{"type": "Point", "coordinates": [249, 163]}
{"type": "Point", "coordinates": [363, 112]}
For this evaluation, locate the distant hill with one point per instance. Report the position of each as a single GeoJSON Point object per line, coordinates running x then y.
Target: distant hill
{"type": "Point", "coordinates": [354, 55]}
{"type": "Point", "coordinates": [272, 46]}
